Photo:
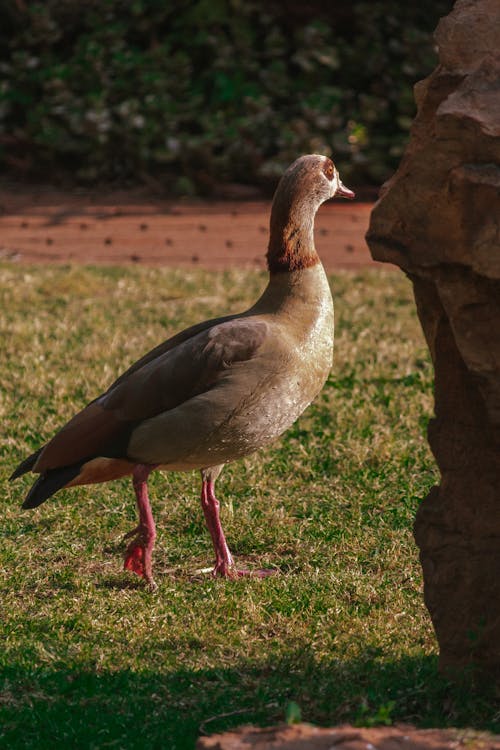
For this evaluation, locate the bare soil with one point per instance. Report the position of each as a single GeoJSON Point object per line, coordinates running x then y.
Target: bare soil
{"type": "Point", "coordinates": [120, 227]}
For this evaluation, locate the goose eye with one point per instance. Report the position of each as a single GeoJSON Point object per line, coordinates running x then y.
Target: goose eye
{"type": "Point", "coordinates": [329, 170]}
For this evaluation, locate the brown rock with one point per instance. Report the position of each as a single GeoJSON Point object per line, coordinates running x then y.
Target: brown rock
{"type": "Point", "coordinates": [307, 737]}
{"type": "Point", "coordinates": [439, 220]}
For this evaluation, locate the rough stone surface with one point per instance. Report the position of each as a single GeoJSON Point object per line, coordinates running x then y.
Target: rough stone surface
{"type": "Point", "coordinates": [439, 219]}
{"type": "Point", "coordinates": [307, 737]}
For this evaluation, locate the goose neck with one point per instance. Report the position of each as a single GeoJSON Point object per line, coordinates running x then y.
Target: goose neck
{"type": "Point", "coordinates": [291, 241]}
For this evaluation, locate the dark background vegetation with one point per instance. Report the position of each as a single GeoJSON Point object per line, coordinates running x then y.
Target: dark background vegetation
{"type": "Point", "coordinates": [196, 94]}
{"type": "Point", "coordinates": [201, 93]}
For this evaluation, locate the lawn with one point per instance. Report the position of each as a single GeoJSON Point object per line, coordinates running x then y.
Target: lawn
{"type": "Point", "coordinates": [91, 659]}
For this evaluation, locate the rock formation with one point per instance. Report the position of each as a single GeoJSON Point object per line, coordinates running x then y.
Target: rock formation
{"type": "Point", "coordinates": [439, 219]}
{"type": "Point", "coordinates": [307, 737]}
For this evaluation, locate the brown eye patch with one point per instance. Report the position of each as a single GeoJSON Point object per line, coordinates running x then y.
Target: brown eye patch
{"type": "Point", "coordinates": [329, 169]}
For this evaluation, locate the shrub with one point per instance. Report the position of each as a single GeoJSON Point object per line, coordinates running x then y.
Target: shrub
{"type": "Point", "coordinates": [201, 93]}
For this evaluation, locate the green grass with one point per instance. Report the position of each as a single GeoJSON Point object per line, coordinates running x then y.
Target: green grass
{"type": "Point", "coordinates": [90, 659]}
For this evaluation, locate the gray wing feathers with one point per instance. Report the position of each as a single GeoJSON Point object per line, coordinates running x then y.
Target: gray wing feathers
{"type": "Point", "coordinates": [190, 369]}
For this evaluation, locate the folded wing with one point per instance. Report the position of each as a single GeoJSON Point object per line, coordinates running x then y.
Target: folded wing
{"type": "Point", "coordinates": [175, 372]}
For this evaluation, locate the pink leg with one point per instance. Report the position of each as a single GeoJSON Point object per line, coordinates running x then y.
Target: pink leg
{"type": "Point", "coordinates": [224, 563]}
{"type": "Point", "coordinates": [138, 557]}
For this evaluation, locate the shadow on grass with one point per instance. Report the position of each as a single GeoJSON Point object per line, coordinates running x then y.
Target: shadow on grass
{"type": "Point", "coordinates": [84, 708]}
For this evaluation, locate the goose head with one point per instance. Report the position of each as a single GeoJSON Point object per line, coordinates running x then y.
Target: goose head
{"type": "Point", "coordinates": [307, 183]}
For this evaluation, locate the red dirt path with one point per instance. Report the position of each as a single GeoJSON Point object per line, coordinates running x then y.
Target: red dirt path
{"type": "Point", "coordinates": [44, 225]}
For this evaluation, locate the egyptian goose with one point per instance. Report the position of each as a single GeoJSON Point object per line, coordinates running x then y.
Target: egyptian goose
{"type": "Point", "coordinates": [216, 391]}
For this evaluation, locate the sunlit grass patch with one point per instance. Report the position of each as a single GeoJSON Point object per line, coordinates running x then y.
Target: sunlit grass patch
{"type": "Point", "coordinates": [91, 659]}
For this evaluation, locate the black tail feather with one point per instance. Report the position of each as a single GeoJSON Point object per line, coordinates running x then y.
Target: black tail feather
{"type": "Point", "coordinates": [49, 483]}
{"type": "Point", "coordinates": [26, 465]}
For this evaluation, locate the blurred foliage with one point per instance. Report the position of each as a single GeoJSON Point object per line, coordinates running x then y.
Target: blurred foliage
{"type": "Point", "coordinates": [199, 93]}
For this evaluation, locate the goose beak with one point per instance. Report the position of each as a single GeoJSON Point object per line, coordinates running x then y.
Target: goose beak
{"type": "Point", "coordinates": [344, 192]}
